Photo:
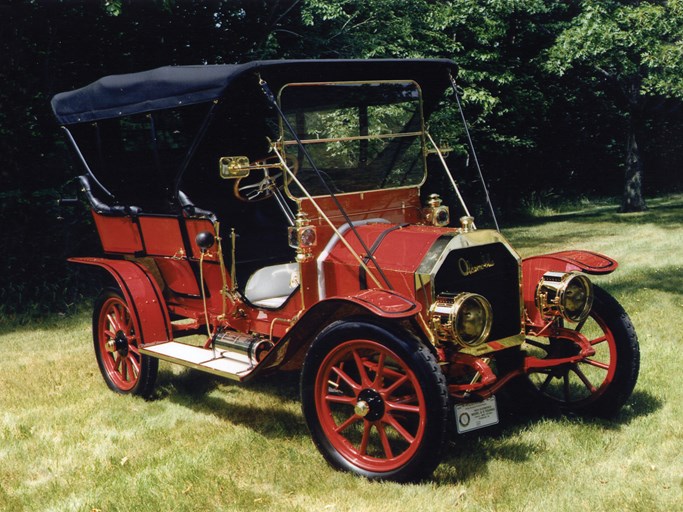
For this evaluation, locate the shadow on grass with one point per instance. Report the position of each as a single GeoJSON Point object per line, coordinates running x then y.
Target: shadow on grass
{"type": "Point", "coordinates": [192, 389]}
{"type": "Point", "coordinates": [591, 223]}
{"type": "Point", "coordinates": [469, 454]}
{"type": "Point", "coordinates": [640, 404]}
{"type": "Point", "coordinates": [667, 279]}
{"type": "Point", "coordinates": [466, 458]}
{"type": "Point", "coordinates": [666, 213]}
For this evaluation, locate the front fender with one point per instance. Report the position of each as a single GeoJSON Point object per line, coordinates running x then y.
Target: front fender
{"type": "Point", "coordinates": [534, 267]}
{"type": "Point", "coordinates": [143, 295]}
{"type": "Point", "coordinates": [290, 351]}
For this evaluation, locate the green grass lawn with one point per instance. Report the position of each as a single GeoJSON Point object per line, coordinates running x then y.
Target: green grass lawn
{"type": "Point", "coordinates": [203, 443]}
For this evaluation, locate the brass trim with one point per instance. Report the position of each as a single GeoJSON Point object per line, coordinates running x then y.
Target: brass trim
{"type": "Point", "coordinates": [422, 133]}
{"type": "Point", "coordinates": [444, 316]}
{"type": "Point", "coordinates": [320, 211]}
{"type": "Point", "coordinates": [551, 295]}
{"type": "Point", "coordinates": [238, 167]}
{"type": "Point", "coordinates": [347, 139]}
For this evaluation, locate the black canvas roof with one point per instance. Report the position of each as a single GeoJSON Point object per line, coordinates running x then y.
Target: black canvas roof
{"type": "Point", "coordinates": [174, 86]}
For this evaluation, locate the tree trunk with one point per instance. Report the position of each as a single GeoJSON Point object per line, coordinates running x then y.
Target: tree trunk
{"type": "Point", "coordinates": [632, 200]}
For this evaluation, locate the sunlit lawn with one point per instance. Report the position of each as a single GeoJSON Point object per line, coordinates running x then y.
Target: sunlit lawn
{"type": "Point", "coordinates": [68, 443]}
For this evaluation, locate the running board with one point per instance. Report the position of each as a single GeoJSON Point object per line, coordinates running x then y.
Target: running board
{"type": "Point", "coordinates": [204, 359]}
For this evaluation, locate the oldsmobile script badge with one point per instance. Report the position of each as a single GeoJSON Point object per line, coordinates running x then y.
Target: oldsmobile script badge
{"type": "Point", "coordinates": [467, 268]}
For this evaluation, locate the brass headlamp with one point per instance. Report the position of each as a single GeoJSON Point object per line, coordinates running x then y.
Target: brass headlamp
{"type": "Point", "coordinates": [464, 319]}
{"type": "Point", "coordinates": [565, 294]}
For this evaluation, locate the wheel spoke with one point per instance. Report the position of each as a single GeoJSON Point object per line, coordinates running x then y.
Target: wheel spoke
{"type": "Point", "coordinates": [596, 341]}
{"type": "Point", "coordinates": [118, 361]}
{"type": "Point", "coordinates": [129, 376]}
{"type": "Point", "coordinates": [341, 399]}
{"type": "Point", "coordinates": [360, 364]}
{"type": "Point", "coordinates": [584, 379]}
{"type": "Point", "coordinates": [385, 441]}
{"type": "Point", "coordinates": [366, 438]}
{"type": "Point", "coordinates": [134, 365]}
{"type": "Point", "coordinates": [119, 320]}
{"type": "Point", "coordinates": [398, 406]}
{"type": "Point", "coordinates": [405, 399]}
{"type": "Point", "coordinates": [122, 367]}
{"type": "Point", "coordinates": [388, 418]}
{"type": "Point", "coordinates": [347, 423]}
{"type": "Point", "coordinates": [567, 397]}
{"type": "Point", "coordinates": [111, 321]}
{"type": "Point", "coordinates": [389, 391]}
{"type": "Point", "coordinates": [109, 359]}
{"type": "Point", "coordinates": [597, 364]}
{"type": "Point", "coordinates": [352, 383]}
{"type": "Point", "coordinates": [379, 372]}
{"type": "Point", "coordinates": [546, 383]}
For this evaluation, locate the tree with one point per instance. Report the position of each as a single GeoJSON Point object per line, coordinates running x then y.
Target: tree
{"type": "Point", "coordinates": [507, 95]}
{"type": "Point", "coordinates": [636, 47]}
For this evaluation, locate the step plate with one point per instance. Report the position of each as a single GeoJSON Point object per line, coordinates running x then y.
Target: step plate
{"type": "Point", "coordinates": [200, 359]}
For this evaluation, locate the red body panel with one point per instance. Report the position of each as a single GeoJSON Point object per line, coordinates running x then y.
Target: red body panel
{"type": "Point", "coordinates": [161, 236]}
{"type": "Point", "coordinates": [118, 234]}
{"type": "Point", "coordinates": [143, 295]}
{"type": "Point", "coordinates": [385, 303]}
{"type": "Point", "coordinates": [291, 349]}
{"type": "Point", "coordinates": [399, 254]}
{"type": "Point", "coordinates": [153, 235]}
{"type": "Point", "coordinates": [394, 205]}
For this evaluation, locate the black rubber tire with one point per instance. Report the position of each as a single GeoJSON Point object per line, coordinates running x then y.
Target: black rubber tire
{"type": "Point", "coordinates": [607, 395]}
{"type": "Point", "coordinates": [125, 370]}
{"type": "Point", "coordinates": [404, 355]}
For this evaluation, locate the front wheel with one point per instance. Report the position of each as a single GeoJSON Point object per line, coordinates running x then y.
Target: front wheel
{"type": "Point", "coordinates": [598, 385]}
{"type": "Point", "coordinates": [376, 403]}
{"type": "Point", "coordinates": [117, 347]}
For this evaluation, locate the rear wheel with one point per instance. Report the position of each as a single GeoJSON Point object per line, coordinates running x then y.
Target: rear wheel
{"type": "Point", "coordinates": [598, 385]}
{"type": "Point", "coordinates": [376, 403]}
{"type": "Point", "coordinates": [117, 347]}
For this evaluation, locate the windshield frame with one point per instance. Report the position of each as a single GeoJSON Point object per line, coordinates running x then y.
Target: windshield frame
{"type": "Point", "coordinates": [420, 135]}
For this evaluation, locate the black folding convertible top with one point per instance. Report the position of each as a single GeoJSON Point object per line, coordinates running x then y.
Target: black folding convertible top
{"type": "Point", "coordinates": [174, 86]}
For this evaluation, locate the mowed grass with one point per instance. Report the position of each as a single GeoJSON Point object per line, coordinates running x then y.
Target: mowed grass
{"type": "Point", "coordinates": [67, 443]}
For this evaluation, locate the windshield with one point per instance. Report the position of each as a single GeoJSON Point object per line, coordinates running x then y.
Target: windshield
{"type": "Point", "coordinates": [361, 136]}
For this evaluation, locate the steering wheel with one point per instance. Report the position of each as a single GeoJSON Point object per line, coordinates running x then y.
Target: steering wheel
{"type": "Point", "coordinates": [261, 183]}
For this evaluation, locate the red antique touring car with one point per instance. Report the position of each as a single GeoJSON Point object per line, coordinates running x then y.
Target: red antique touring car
{"type": "Point", "coordinates": [278, 215]}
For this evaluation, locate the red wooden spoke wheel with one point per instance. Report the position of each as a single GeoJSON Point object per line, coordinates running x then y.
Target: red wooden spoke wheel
{"type": "Point", "coordinates": [600, 384]}
{"type": "Point", "coordinates": [117, 347]}
{"type": "Point", "coordinates": [376, 403]}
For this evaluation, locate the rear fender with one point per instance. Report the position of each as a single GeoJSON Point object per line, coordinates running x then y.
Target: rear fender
{"type": "Point", "coordinates": [143, 295]}
{"type": "Point", "coordinates": [290, 351]}
{"type": "Point", "coordinates": [534, 267]}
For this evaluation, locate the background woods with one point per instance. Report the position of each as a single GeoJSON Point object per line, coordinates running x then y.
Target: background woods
{"type": "Point", "coordinates": [565, 99]}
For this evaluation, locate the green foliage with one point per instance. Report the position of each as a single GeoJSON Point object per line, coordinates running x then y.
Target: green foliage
{"type": "Point", "coordinates": [626, 40]}
{"type": "Point", "coordinates": [380, 28]}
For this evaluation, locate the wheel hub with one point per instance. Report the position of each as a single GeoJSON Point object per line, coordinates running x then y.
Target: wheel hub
{"type": "Point", "coordinates": [370, 405]}
{"type": "Point", "coordinates": [121, 343]}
